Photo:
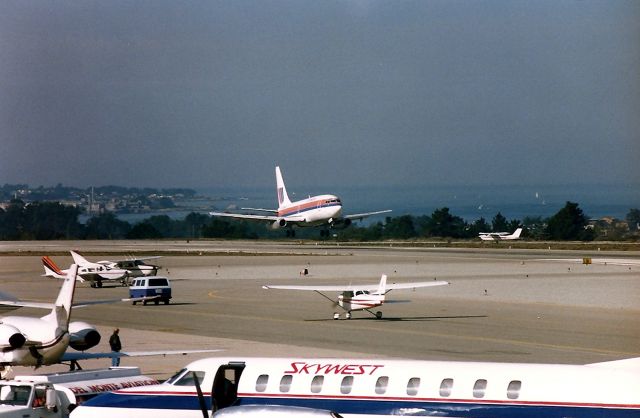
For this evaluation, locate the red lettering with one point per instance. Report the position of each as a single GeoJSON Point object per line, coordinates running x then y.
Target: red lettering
{"type": "Point", "coordinates": [295, 367]}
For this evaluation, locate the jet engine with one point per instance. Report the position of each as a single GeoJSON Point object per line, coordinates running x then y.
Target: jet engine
{"type": "Point", "coordinates": [280, 223]}
{"type": "Point", "coordinates": [83, 336]}
{"type": "Point", "coordinates": [10, 337]}
{"type": "Point", "coordinates": [340, 223]}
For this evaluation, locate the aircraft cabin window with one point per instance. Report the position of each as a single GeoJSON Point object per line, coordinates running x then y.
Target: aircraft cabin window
{"type": "Point", "coordinates": [479, 387]}
{"type": "Point", "coordinates": [445, 387]}
{"type": "Point", "coordinates": [285, 383]}
{"type": "Point", "coordinates": [513, 390]}
{"type": "Point", "coordinates": [381, 385]}
{"type": "Point", "coordinates": [412, 386]}
{"type": "Point", "coordinates": [176, 376]}
{"type": "Point", "coordinates": [187, 378]}
{"type": "Point", "coordinates": [346, 385]}
{"type": "Point", "coordinates": [261, 382]}
{"type": "Point", "coordinates": [316, 384]}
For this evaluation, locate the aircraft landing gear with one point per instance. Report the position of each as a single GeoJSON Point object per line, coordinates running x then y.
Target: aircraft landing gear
{"type": "Point", "coordinates": [347, 315]}
{"type": "Point", "coordinates": [336, 316]}
{"type": "Point", "coordinates": [378, 315]}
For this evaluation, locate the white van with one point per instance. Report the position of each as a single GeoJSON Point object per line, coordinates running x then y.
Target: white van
{"type": "Point", "coordinates": [156, 288]}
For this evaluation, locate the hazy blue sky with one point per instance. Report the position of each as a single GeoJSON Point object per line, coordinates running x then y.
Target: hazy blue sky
{"type": "Point", "coordinates": [214, 93]}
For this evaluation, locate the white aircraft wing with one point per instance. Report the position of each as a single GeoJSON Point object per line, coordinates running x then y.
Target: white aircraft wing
{"type": "Point", "coordinates": [153, 257]}
{"type": "Point", "coordinates": [20, 304]}
{"type": "Point", "coordinates": [75, 356]}
{"type": "Point", "coordinates": [369, 287]}
{"type": "Point", "coordinates": [266, 218]}
{"type": "Point", "coordinates": [366, 214]}
{"type": "Point", "coordinates": [259, 218]}
{"type": "Point", "coordinates": [261, 210]}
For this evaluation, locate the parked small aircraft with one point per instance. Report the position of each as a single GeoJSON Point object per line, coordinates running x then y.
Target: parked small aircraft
{"type": "Point", "coordinates": [28, 341]}
{"type": "Point", "coordinates": [322, 210]}
{"type": "Point", "coordinates": [135, 267]}
{"type": "Point", "coordinates": [361, 297]}
{"type": "Point", "coordinates": [499, 236]}
{"type": "Point", "coordinates": [94, 272]}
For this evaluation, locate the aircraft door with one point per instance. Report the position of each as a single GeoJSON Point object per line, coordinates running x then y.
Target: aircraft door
{"type": "Point", "coordinates": [225, 385]}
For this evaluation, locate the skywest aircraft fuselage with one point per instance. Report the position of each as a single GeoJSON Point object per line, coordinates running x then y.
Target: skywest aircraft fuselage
{"type": "Point", "coordinates": [377, 388]}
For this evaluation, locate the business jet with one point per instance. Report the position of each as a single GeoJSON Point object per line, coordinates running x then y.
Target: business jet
{"type": "Point", "coordinates": [361, 388]}
{"type": "Point", "coordinates": [322, 210]}
{"type": "Point", "coordinates": [499, 236]}
{"type": "Point", "coordinates": [94, 272]}
{"type": "Point", "coordinates": [29, 341]}
{"type": "Point", "coordinates": [135, 267]}
{"type": "Point", "coordinates": [361, 297]}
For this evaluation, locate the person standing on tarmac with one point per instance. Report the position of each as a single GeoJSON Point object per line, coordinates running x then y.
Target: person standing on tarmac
{"type": "Point", "coordinates": [116, 346]}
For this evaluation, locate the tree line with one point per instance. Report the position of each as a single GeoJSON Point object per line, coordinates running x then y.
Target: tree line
{"type": "Point", "coordinates": [53, 220]}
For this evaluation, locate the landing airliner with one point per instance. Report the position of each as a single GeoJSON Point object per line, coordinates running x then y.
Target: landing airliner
{"type": "Point", "coordinates": [362, 388]}
{"type": "Point", "coordinates": [322, 210]}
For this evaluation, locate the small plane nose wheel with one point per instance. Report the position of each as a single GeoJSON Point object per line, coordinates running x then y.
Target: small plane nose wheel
{"type": "Point", "coordinates": [336, 315]}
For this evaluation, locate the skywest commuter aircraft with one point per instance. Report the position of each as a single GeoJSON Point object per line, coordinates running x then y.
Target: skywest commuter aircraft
{"type": "Point", "coordinates": [362, 388]}
{"type": "Point", "coordinates": [28, 341]}
{"type": "Point", "coordinates": [499, 236]}
{"type": "Point", "coordinates": [362, 297]}
{"type": "Point", "coordinates": [321, 210]}
{"type": "Point", "coordinates": [135, 267]}
{"type": "Point", "coordinates": [94, 272]}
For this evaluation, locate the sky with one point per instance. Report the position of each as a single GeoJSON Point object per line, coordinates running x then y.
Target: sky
{"type": "Point", "coordinates": [358, 93]}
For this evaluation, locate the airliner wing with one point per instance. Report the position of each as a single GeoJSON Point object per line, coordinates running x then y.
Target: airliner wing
{"type": "Point", "coordinates": [369, 287]}
{"type": "Point", "coordinates": [259, 218]}
{"type": "Point", "coordinates": [75, 356]}
{"type": "Point", "coordinates": [360, 216]}
{"type": "Point", "coordinates": [262, 210]}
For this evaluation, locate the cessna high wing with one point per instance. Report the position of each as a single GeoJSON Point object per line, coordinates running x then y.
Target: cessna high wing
{"type": "Point", "coordinates": [94, 272]}
{"type": "Point", "coordinates": [322, 210]}
{"type": "Point", "coordinates": [362, 297]}
{"type": "Point", "coordinates": [28, 341]}
{"type": "Point", "coordinates": [499, 236]}
{"type": "Point", "coordinates": [135, 267]}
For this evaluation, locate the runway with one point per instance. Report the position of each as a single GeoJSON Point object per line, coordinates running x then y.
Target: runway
{"type": "Point", "coordinates": [502, 305]}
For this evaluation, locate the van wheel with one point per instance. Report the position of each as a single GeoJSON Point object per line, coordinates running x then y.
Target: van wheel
{"type": "Point", "coordinates": [157, 301]}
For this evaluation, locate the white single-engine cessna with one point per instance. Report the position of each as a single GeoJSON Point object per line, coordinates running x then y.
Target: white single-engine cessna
{"type": "Point", "coordinates": [360, 297]}
{"type": "Point", "coordinates": [500, 236]}
{"type": "Point", "coordinates": [373, 388]}
{"type": "Point", "coordinates": [322, 210]}
{"type": "Point", "coordinates": [135, 267]}
{"type": "Point", "coordinates": [94, 272]}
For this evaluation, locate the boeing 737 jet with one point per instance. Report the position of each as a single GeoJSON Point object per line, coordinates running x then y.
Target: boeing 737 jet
{"type": "Point", "coordinates": [322, 210]}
